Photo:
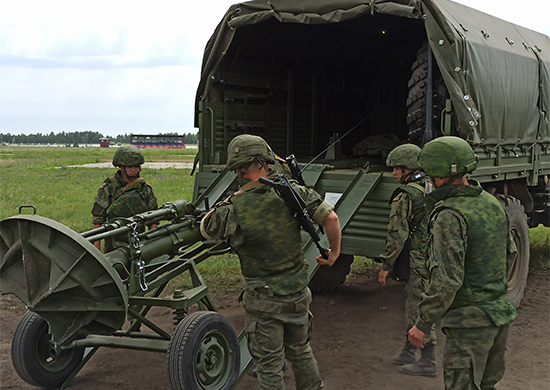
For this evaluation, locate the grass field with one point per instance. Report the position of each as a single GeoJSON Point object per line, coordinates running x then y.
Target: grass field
{"type": "Point", "coordinates": [40, 176]}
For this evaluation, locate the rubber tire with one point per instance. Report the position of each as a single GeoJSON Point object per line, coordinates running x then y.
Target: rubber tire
{"type": "Point", "coordinates": [517, 275]}
{"type": "Point", "coordinates": [329, 278]}
{"type": "Point", "coordinates": [31, 358]}
{"type": "Point", "coordinates": [198, 337]}
{"type": "Point", "coordinates": [416, 100]}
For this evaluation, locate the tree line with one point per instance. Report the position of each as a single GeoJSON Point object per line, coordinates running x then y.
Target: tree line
{"type": "Point", "coordinates": [77, 137]}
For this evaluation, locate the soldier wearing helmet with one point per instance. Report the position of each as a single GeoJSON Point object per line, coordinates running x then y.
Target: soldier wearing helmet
{"type": "Point", "coordinates": [260, 227]}
{"type": "Point", "coordinates": [125, 193]}
{"type": "Point", "coordinates": [407, 241]}
{"type": "Point", "coordinates": [469, 249]}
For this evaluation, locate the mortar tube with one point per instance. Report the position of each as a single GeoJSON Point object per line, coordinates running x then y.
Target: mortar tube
{"type": "Point", "coordinates": [163, 244]}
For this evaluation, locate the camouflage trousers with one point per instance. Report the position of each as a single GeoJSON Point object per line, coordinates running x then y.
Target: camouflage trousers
{"type": "Point", "coordinates": [473, 358]}
{"type": "Point", "coordinates": [279, 326]}
{"type": "Point", "coordinates": [414, 287]}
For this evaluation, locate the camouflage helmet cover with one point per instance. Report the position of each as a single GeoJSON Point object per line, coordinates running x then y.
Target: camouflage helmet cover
{"type": "Point", "coordinates": [447, 156]}
{"type": "Point", "coordinates": [128, 156]}
{"type": "Point", "coordinates": [404, 156]}
{"type": "Point", "coordinates": [246, 148]}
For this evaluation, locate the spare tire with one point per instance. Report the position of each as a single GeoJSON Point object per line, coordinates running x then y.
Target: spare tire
{"type": "Point", "coordinates": [418, 90]}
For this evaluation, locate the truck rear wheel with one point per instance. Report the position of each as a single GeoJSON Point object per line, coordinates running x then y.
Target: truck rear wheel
{"type": "Point", "coordinates": [517, 274]}
{"type": "Point", "coordinates": [330, 278]}
{"type": "Point", "coordinates": [203, 353]}
{"type": "Point", "coordinates": [33, 358]}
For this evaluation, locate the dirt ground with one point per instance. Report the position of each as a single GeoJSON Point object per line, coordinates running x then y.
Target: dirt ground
{"type": "Point", "coordinates": [357, 330]}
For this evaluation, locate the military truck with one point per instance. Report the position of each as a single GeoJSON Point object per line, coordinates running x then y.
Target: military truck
{"type": "Point", "coordinates": [336, 83]}
{"type": "Point", "coordinates": [340, 83]}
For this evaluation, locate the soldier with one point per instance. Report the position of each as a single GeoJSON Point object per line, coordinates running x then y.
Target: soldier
{"type": "Point", "coordinates": [468, 252]}
{"type": "Point", "coordinates": [125, 193]}
{"type": "Point", "coordinates": [260, 227]}
{"type": "Point", "coordinates": [408, 224]}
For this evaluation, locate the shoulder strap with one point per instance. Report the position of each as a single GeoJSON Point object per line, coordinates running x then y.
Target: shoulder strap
{"type": "Point", "coordinates": [416, 185]}
{"type": "Point", "coordinates": [128, 185]}
{"type": "Point", "coordinates": [251, 185]}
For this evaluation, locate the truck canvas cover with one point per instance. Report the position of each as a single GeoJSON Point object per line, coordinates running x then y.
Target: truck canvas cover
{"type": "Point", "coordinates": [497, 73]}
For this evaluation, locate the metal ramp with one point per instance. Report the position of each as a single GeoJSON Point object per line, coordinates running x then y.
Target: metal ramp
{"type": "Point", "coordinates": [216, 190]}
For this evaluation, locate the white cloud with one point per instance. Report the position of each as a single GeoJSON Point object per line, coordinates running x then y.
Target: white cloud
{"type": "Point", "coordinates": [116, 32]}
{"type": "Point", "coordinates": [118, 66]}
{"type": "Point", "coordinates": [532, 14]}
{"type": "Point", "coordinates": [162, 98]}
{"type": "Point", "coordinates": [107, 66]}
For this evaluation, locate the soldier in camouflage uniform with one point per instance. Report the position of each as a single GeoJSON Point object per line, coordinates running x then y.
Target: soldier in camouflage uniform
{"type": "Point", "coordinates": [408, 221]}
{"type": "Point", "coordinates": [260, 227]}
{"type": "Point", "coordinates": [468, 251]}
{"type": "Point", "coordinates": [125, 193]}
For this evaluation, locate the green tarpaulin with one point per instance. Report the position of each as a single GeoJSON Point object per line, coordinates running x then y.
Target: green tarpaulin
{"type": "Point", "coordinates": [497, 73]}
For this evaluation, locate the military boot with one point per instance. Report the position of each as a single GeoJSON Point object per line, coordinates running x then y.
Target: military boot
{"type": "Point", "coordinates": [425, 366]}
{"type": "Point", "coordinates": [407, 355]}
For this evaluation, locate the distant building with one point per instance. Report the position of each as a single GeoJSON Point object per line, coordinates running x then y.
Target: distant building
{"type": "Point", "coordinates": [158, 141]}
{"type": "Point", "coordinates": [104, 142]}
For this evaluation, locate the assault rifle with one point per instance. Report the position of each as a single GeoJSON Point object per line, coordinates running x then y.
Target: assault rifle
{"type": "Point", "coordinates": [298, 206]}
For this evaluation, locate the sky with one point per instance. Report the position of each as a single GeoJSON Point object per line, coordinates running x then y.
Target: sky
{"type": "Point", "coordinates": [121, 66]}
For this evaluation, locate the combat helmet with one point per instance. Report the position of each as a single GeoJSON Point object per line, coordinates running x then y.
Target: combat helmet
{"type": "Point", "coordinates": [246, 148]}
{"type": "Point", "coordinates": [447, 156]}
{"type": "Point", "coordinates": [404, 156]}
{"type": "Point", "coordinates": [128, 156]}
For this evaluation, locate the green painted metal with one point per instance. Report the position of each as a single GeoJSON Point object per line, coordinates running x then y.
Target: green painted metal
{"type": "Point", "coordinates": [347, 206]}
{"type": "Point", "coordinates": [298, 96]}
{"type": "Point", "coordinates": [216, 189]}
{"type": "Point", "coordinates": [313, 173]}
{"type": "Point", "coordinates": [54, 270]}
{"type": "Point", "coordinates": [366, 231]}
{"type": "Point", "coordinates": [140, 344]}
{"type": "Point", "coordinates": [60, 275]}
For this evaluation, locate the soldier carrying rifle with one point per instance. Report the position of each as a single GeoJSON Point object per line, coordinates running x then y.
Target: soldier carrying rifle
{"type": "Point", "coordinates": [260, 226]}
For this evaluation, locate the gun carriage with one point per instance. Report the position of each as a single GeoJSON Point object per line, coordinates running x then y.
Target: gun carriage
{"type": "Point", "coordinates": [80, 299]}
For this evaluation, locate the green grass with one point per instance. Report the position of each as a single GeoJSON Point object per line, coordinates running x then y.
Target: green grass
{"type": "Point", "coordinates": [223, 272]}
{"type": "Point", "coordinates": [540, 249]}
{"type": "Point", "coordinates": [40, 176]}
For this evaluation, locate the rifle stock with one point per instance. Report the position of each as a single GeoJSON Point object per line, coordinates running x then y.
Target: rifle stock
{"type": "Point", "coordinates": [295, 170]}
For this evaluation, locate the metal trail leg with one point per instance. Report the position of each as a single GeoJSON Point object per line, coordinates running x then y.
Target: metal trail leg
{"type": "Point", "coordinates": [87, 356]}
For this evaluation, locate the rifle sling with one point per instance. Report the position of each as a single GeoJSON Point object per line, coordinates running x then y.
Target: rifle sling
{"type": "Point", "coordinates": [251, 185]}
{"type": "Point", "coordinates": [128, 185]}
{"type": "Point", "coordinates": [416, 185]}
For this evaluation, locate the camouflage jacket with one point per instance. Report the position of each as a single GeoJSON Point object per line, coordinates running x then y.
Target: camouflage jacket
{"type": "Point", "coordinates": [408, 219]}
{"type": "Point", "coordinates": [467, 257]}
{"type": "Point", "coordinates": [260, 227]}
{"type": "Point", "coordinates": [116, 199]}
